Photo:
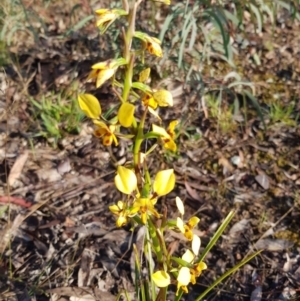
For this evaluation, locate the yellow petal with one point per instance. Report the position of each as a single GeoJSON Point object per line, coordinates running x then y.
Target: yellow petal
{"type": "Point", "coordinates": [184, 276]}
{"type": "Point", "coordinates": [144, 75]}
{"type": "Point", "coordinates": [167, 2]}
{"type": "Point", "coordinates": [103, 76]}
{"type": "Point", "coordinates": [170, 145]}
{"type": "Point", "coordinates": [93, 74]}
{"type": "Point", "coordinates": [90, 105]}
{"type": "Point", "coordinates": [117, 209]}
{"type": "Point", "coordinates": [144, 218]}
{"type": "Point", "coordinates": [115, 140]}
{"type": "Point", "coordinates": [193, 221]}
{"type": "Point", "coordinates": [161, 279]}
{"type": "Point", "coordinates": [179, 205]}
{"type": "Point", "coordinates": [155, 49]}
{"type": "Point", "coordinates": [153, 40]}
{"type": "Point", "coordinates": [107, 139]}
{"type": "Point", "coordinates": [114, 209]}
{"type": "Point", "coordinates": [201, 266]}
{"type": "Point", "coordinates": [160, 131]}
{"type": "Point", "coordinates": [125, 114]}
{"type": "Point", "coordinates": [109, 64]}
{"type": "Point", "coordinates": [125, 180]}
{"type": "Point", "coordinates": [143, 157]}
{"type": "Point", "coordinates": [102, 65]}
{"type": "Point", "coordinates": [180, 224]}
{"type": "Point", "coordinates": [106, 17]}
{"type": "Point", "coordinates": [196, 243]}
{"type": "Point", "coordinates": [188, 233]}
{"type": "Point", "coordinates": [101, 125]}
{"type": "Point", "coordinates": [153, 112]}
{"type": "Point", "coordinates": [164, 182]}
{"type": "Point", "coordinates": [164, 98]}
{"type": "Point", "coordinates": [188, 256]}
{"type": "Point", "coordinates": [104, 22]}
{"type": "Point", "coordinates": [99, 133]}
{"type": "Point", "coordinates": [171, 128]}
{"type": "Point", "coordinates": [121, 221]}
{"type": "Point", "coordinates": [149, 101]}
{"type": "Point", "coordinates": [101, 11]}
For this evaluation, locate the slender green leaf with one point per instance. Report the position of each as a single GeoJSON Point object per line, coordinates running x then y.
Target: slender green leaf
{"type": "Point", "coordinates": [185, 31]}
{"type": "Point", "coordinates": [256, 106]}
{"type": "Point", "coordinates": [216, 236]}
{"type": "Point", "coordinates": [228, 273]}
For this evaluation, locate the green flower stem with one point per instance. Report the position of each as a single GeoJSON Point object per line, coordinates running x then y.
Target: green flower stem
{"type": "Point", "coordinates": [155, 241]}
{"type": "Point", "coordinates": [125, 5]}
{"type": "Point", "coordinates": [128, 79]}
{"type": "Point", "coordinates": [147, 182]}
{"type": "Point", "coordinates": [127, 48]}
{"type": "Point", "coordinates": [149, 252]}
{"type": "Point", "coordinates": [138, 140]}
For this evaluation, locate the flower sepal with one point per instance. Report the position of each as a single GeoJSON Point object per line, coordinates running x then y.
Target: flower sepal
{"type": "Point", "coordinates": [105, 17]}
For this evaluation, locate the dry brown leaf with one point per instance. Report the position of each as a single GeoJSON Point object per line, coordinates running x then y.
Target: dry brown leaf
{"type": "Point", "coordinates": [10, 232]}
{"type": "Point", "coordinates": [17, 168]}
{"type": "Point", "coordinates": [273, 245]}
{"type": "Point", "coordinates": [242, 159]}
{"type": "Point", "coordinates": [69, 222]}
{"type": "Point", "coordinates": [191, 191]}
{"type": "Point", "coordinates": [263, 181]}
{"type": "Point", "coordinates": [48, 175]}
{"type": "Point", "coordinates": [227, 166]}
{"type": "Point", "coordinates": [82, 292]}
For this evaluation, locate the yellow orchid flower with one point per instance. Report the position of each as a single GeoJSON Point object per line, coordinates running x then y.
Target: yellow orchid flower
{"type": "Point", "coordinates": [105, 17]}
{"type": "Point", "coordinates": [183, 279]}
{"type": "Point", "coordinates": [186, 229]}
{"type": "Point", "coordinates": [151, 44]}
{"type": "Point", "coordinates": [168, 142]}
{"type": "Point", "coordinates": [119, 210]}
{"type": "Point", "coordinates": [188, 275]}
{"type": "Point", "coordinates": [171, 129]}
{"type": "Point", "coordinates": [103, 71]}
{"type": "Point", "coordinates": [105, 132]}
{"type": "Point", "coordinates": [123, 212]}
{"type": "Point", "coordinates": [146, 208]}
{"type": "Point", "coordinates": [162, 98]}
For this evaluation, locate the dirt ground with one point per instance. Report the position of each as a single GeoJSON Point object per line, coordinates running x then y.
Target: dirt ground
{"type": "Point", "coordinates": [58, 239]}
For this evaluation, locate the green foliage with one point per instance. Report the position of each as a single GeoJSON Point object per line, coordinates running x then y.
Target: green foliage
{"type": "Point", "coordinates": [59, 114]}
{"type": "Point", "coordinates": [282, 113]}
{"type": "Point", "coordinates": [208, 31]}
{"type": "Point", "coordinates": [3, 54]}
{"type": "Point", "coordinates": [14, 14]}
{"type": "Point", "coordinates": [224, 116]}
{"type": "Point", "coordinates": [217, 23]}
